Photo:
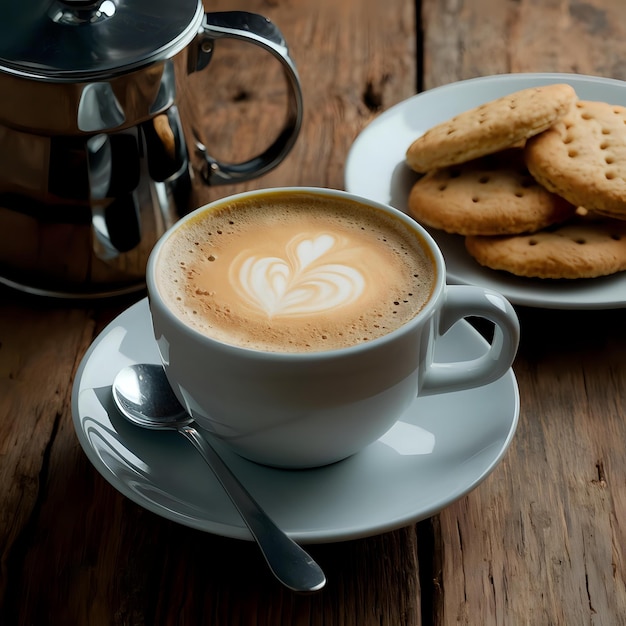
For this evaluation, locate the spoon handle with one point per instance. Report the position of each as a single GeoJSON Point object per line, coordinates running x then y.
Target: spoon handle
{"type": "Point", "coordinates": [287, 560]}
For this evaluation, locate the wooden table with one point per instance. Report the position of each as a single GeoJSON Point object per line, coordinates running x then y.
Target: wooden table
{"type": "Point", "coordinates": [541, 541]}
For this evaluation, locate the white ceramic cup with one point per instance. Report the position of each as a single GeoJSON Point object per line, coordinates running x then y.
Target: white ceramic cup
{"type": "Point", "coordinates": [298, 410]}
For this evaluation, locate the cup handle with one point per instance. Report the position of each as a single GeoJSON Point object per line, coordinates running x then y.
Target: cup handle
{"type": "Point", "coordinates": [464, 301]}
{"type": "Point", "coordinates": [260, 31]}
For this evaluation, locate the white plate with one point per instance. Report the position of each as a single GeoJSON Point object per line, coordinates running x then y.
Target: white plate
{"type": "Point", "coordinates": [375, 169]}
{"type": "Point", "coordinates": [443, 448]}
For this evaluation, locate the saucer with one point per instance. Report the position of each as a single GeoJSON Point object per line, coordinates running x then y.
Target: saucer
{"type": "Point", "coordinates": [376, 169]}
{"type": "Point", "coordinates": [441, 449]}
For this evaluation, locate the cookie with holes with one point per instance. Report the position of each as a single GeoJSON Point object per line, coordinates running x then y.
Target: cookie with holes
{"type": "Point", "coordinates": [583, 157]}
{"type": "Point", "coordinates": [492, 195]}
{"type": "Point", "coordinates": [490, 127]}
{"type": "Point", "coordinates": [587, 246]}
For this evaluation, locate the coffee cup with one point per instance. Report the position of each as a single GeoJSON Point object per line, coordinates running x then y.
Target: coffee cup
{"type": "Point", "coordinates": [297, 325]}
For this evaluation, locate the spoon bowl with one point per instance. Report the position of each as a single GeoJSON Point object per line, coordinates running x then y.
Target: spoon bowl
{"type": "Point", "coordinates": [144, 397]}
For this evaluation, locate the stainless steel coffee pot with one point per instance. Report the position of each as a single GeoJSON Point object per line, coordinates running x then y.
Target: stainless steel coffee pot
{"type": "Point", "coordinates": [94, 156]}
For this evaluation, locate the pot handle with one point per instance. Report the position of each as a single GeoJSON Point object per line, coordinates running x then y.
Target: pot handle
{"type": "Point", "coordinates": [260, 31]}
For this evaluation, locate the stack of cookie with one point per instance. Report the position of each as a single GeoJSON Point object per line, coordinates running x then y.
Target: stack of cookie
{"type": "Point", "coordinates": [535, 182]}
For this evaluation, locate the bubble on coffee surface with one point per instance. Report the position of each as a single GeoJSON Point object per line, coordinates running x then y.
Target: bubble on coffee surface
{"type": "Point", "coordinates": [297, 277]}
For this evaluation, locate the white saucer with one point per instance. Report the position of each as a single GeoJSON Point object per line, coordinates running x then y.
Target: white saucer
{"type": "Point", "coordinates": [375, 169]}
{"type": "Point", "coordinates": [423, 464]}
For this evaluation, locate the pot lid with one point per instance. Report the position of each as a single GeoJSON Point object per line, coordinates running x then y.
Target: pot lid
{"type": "Point", "coordinates": [69, 40]}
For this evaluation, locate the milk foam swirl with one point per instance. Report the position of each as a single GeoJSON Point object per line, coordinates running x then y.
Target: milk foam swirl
{"type": "Point", "coordinates": [307, 280]}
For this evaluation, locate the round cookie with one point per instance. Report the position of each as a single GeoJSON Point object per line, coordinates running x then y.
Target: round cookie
{"type": "Point", "coordinates": [585, 247]}
{"type": "Point", "coordinates": [583, 157]}
{"type": "Point", "coordinates": [493, 195]}
{"type": "Point", "coordinates": [490, 127]}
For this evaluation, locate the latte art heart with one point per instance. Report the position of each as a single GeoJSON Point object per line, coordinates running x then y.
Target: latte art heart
{"type": "Point", "coordinates": [307, 280]}
{"type": "Point", "coordinates": [297, 272]}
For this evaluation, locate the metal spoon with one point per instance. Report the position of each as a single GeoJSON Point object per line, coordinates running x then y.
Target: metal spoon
{"type": "Point", "coordinates": [143, 395]}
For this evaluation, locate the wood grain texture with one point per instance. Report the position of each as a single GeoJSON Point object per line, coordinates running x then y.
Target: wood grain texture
{"type": "Point", "coordinates": [468, 38]}
{"type": "Point", "coordinates": [355, 59]}
{"type": "Point", "coordinates": [38, 358]}
{"type": "Point", "coordinates": [540, 542]}
{"type": "Point", "coordinates": [75, 551]}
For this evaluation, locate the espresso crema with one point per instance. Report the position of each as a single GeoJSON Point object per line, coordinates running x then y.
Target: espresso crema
{"type": "Point", "coordinates": [295, 272]}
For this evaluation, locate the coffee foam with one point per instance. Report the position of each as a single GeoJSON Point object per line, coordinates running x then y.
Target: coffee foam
{"type": "Point", "coordinates": [299, 273]}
